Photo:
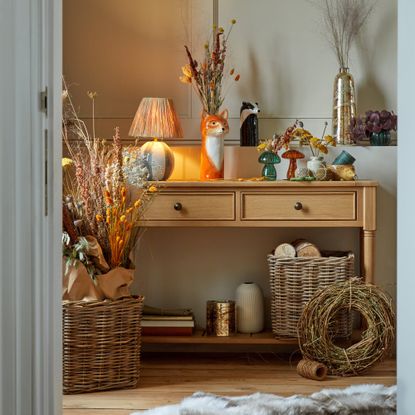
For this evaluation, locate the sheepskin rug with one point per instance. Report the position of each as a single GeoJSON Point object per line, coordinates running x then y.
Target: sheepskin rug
{"type": "Point", "coordinates": [359, 399]}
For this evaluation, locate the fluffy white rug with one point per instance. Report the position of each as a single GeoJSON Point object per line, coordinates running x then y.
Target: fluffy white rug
{"type": "Point", "coordinates": [360, 399]}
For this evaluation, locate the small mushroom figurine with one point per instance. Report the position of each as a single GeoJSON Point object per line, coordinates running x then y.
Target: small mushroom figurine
{"type": "Point", "coordinates": [268, 158]}
{"type": "Point", "coordinates": [292, 155]}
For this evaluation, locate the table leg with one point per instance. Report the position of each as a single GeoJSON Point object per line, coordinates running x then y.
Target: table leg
{"type": "Point", "coordinates": [367, 244]}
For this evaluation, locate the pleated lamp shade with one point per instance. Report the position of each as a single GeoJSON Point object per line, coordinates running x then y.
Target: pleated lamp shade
{"type": "Point", "coordinates": [156, 118]}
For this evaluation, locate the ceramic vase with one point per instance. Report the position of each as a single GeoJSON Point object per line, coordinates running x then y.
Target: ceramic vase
{"type": "Point", "coordinates": [314, 164]}
{"type": "Point", "coordinates": [344, 106]}
{"type": "Point", "coordinates": [383, 138]}
{"type": "Point", "coordinates": [159, 159]}
{"type": "Point", "coordinates": [249, 308]}
{"type": "Point", "coordinates": [213, 129]}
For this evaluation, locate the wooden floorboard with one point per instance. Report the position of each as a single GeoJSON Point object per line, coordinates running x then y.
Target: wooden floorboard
{"type": "Point", "coordinates": [166, 379]}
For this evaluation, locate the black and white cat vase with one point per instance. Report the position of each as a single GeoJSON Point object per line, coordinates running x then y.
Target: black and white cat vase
{"type": "Point", "coordinates": [249, 130]}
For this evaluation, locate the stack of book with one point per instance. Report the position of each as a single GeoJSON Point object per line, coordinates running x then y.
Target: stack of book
{"type": "Point", "coordinates": [166, 324]}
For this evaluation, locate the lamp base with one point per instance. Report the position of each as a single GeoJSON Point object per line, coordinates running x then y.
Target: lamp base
{"type": "Point", "coordinates": [159, 159]}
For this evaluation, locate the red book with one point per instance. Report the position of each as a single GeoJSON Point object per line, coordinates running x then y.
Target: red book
{"type": "Point", "coordinates": [167, 331]}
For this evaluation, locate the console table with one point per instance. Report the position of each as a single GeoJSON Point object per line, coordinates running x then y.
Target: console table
{"type": "Point", "coordinates": [278, 204]}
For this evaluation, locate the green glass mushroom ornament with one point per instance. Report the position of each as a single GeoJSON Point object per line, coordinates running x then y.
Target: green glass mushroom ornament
{"type": "Point", "coordinates": [269, 159]}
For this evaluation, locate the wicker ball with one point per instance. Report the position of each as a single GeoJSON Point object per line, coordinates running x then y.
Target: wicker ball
{"type": "Point", "coordinates": [321, 173]}
{"type": "Point", "coordinates": [302, 172]}
{"type": "Point", "coordinates": [315, 334]}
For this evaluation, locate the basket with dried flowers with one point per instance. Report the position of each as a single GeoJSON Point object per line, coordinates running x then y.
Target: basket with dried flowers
{"type": "Point", "coordinates": [207, 79]}
{"type": "Point", "coordinates": [101, 319]}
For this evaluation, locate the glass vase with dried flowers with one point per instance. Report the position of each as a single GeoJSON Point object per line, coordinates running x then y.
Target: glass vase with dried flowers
{"type": "Point", "coordinates": [343, 20]}
{"type": "Point", "coordinates": [207, 79]}
{"type": "Point", "coordinates": [100, 209]}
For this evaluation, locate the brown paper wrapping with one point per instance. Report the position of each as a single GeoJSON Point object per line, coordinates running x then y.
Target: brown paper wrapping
{"type": "Point", "coordinates": [115, 283]}
{"type": "Point", "coordinates": [78, 285]}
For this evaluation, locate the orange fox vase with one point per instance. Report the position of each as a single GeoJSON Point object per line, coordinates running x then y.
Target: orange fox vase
{"type": "Point", "coordinates": [213, 129]}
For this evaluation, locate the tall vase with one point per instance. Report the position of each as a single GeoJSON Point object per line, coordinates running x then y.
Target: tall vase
{"type": "Point", "coordinates": [249, 308]}
{"type": "Point", "coordinates": [344, 106]}
{"type": "Point", "coordinates": [213, 129]}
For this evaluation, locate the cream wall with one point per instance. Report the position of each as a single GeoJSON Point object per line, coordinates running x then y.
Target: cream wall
{"type": "Point", "coordinates": [127, 49]}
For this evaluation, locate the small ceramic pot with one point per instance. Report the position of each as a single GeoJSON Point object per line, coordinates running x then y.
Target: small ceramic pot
{"type": "Point", "coordinates": [314, 164]}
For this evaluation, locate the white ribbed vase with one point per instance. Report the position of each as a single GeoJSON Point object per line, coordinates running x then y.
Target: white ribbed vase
{"type": "Point", "coordinates": [249, 308]}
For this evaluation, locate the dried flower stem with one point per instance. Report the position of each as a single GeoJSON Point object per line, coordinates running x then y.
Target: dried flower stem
{"type": "Point", "coordinates": [344, 20]}
{"type": "Point", "coordinates": [207, 78]}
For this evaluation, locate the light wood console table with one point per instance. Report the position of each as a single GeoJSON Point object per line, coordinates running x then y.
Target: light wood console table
{"type": "Point", "coordinates": [276, 204]}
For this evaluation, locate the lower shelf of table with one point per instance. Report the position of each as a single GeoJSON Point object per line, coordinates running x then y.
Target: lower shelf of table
{"type": "Point", "coordinates": [199, 337]}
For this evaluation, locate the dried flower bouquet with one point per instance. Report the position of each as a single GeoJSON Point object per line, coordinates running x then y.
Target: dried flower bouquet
{"type": "Point", "coordinates": [207, 77]}
{"type": "Point", "coordinates": [101, 211]}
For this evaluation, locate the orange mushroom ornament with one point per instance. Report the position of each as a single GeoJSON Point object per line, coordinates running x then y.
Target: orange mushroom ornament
{"type": "Point", "coordinates": [293, 156]}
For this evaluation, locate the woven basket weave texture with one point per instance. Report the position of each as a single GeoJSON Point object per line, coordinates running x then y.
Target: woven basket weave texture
{"type": "Point", "coordinates": [101, 344]}
{"type": "Point", "coordinates": [294, 281]}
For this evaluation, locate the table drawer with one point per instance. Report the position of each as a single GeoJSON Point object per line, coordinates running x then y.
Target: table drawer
{"type": "Point", "coordinates": [181, 206]}
{"type": "Point", "coordinates": [299, 206]}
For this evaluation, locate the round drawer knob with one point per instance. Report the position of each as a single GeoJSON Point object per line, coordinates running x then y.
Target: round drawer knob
{"type": "Point", "coordinates": [298, 206]}
{"type": "Point", "coordinates": [178, 206]}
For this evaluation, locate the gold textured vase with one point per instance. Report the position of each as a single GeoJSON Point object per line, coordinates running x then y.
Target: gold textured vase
{"type": "Point", "coordinates": [344, 106]}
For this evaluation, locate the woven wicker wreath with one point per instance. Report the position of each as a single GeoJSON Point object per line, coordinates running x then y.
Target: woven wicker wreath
{"type": "Point", "coordinates": [315, 338]}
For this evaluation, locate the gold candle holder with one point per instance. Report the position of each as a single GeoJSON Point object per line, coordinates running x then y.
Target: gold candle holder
{"type": "Point", "coordinates": [220, 318]}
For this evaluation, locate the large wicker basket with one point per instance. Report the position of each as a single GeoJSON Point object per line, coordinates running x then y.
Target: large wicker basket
{"type": "Point", "coordinates": [101, 344]}
{"type": "Point", "coordinates": [295, 280]}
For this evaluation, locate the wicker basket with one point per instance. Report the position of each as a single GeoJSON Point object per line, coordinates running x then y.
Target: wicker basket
{"type": "Point", "coordinates": [295, 280]}
{"type": "Point", "coordinates": [101, 344]}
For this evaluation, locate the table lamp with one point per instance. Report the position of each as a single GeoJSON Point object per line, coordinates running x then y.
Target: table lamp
{"type": "Point", "coordinates": [156, 118]}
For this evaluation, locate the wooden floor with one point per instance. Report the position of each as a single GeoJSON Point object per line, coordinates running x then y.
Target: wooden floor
{"type": "Point", "coordinates": [168, 379]}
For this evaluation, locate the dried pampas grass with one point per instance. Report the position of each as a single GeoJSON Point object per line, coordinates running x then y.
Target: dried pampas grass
{"type": "Point", "coordinates": [343, 20]}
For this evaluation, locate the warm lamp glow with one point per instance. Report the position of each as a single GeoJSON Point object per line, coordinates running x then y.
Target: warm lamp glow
{"type": "Point", "coordinates": [156, 118]}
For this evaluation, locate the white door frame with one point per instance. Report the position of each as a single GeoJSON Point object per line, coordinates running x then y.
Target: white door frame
{"type": "Point", "coordinates": [30, 210]}
{"type": "Point", "coordinates": [30, 283]}
{"type": "Point", "coordinates": [406, 204]}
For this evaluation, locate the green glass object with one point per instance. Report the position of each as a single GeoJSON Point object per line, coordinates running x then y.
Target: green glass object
{"type": "Point", "coordinates": [269, 159]}
{"type": "Point", "coordinates": [383, 138]}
